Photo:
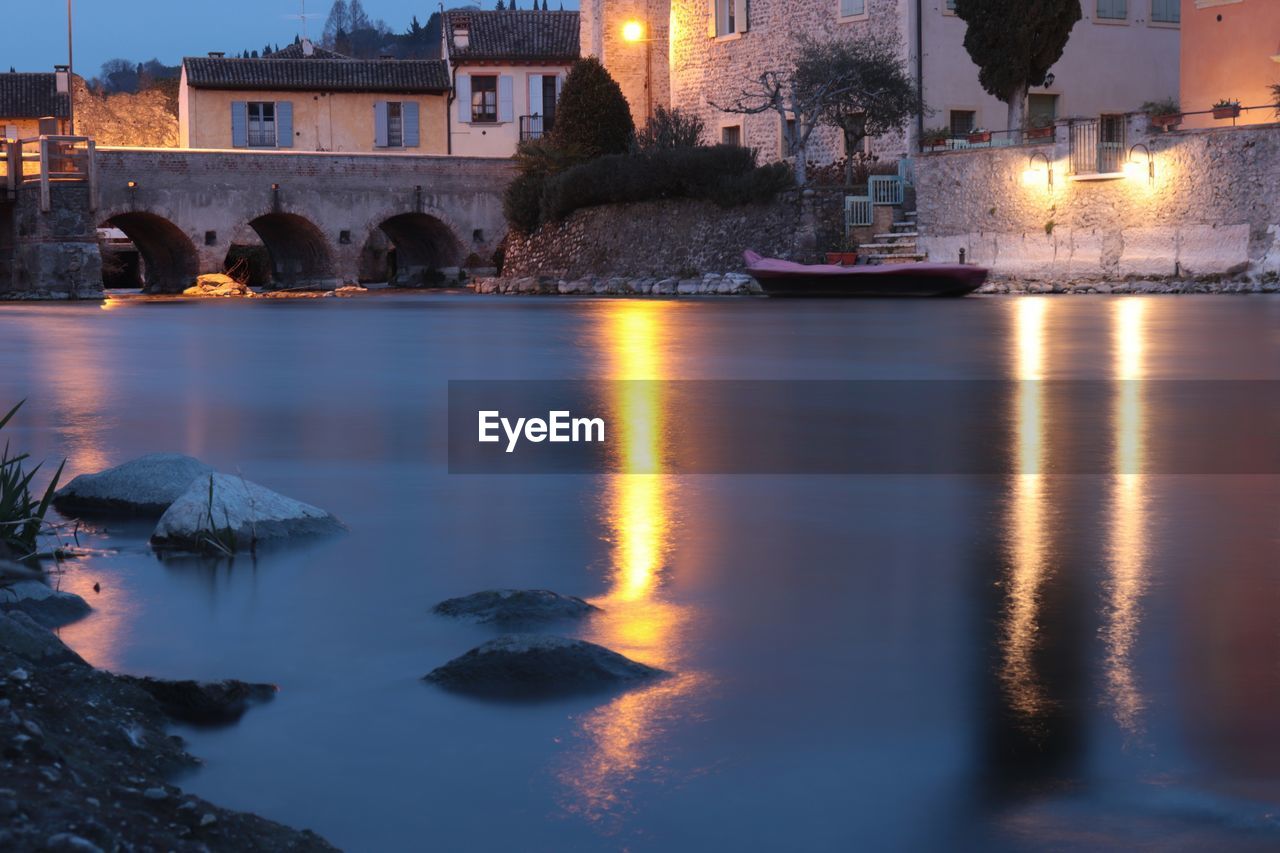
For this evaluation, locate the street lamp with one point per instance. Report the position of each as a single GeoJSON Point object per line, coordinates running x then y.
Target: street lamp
{"type": "Point", "coordinates": [71, 95]}
{"type": "Point", "coordinates": [636, 33]}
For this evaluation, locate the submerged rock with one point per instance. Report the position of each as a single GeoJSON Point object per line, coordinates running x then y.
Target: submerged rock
{"type": "Point", "coordinates": [24, 637]}
{"type": "Point", "coordinates": [511, 606]}
{"type": "Point", "coordinates": [526, 665]}
{"type": "Point", "coordinates": [144, 486]}
{"type": "Point", "coordinates": [204, 702]}
{"type": "Point", "coordinates": [221, 511]}
{"type": "Point", "coordinates": [50, 607]}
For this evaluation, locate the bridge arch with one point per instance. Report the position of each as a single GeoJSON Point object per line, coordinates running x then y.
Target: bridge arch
{"type": "Point", "coordinates": [300, 253]}
{"type": "Point", "coordinates": [170, 260]}
{"type": "Point", "coordinates": [423, 243]}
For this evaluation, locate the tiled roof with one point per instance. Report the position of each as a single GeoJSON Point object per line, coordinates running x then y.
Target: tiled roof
{"type": "Point", "coordinates": [318, 75]}
{"type": "Point", "coordinates": [520, 36]}
{"type": "Point", "coordinates": [31, 96]}
{"type": "Point", "coordinates": [294, 51]}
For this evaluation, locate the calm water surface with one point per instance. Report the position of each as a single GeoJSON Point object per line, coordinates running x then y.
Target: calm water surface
{"type": "Point", "coordinates": [1016, 662]}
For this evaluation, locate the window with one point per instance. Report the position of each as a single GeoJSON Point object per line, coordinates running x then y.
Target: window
{"type": "Point", "coordinates": [962, 122]}
{"type": "Point", "coordinates": [950, 7]}
{"type": "Point", "coordinates": [262, 124]}
{"type": "Point", "coordinates": [1112, 10]}
{"type": "Point", "coordinates": [788, 137]}
{"type": "Point", "coordinates": [395, 124]}
{"type": "Point", "coordinates": [853, 8]}
{"type": "Point", "coordinates": [1042, 110]}
{"type": "Point", "coordinates": [484, 99]}
{"type": "Point", "coordinates": [731, 135]}
{"type": "Point", "coordinates": [730, 17]}
{"type": "Point", "coordinates": [1111, 143]}
{"type": "Point", "coordinates": [1166, 11]}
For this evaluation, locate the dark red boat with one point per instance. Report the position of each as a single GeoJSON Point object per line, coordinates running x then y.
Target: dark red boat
{"type": "Point", "coordinates": [787, 278]}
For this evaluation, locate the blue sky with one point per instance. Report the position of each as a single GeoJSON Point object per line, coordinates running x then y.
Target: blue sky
{"type": "Point", "coordinates": [170, 29]}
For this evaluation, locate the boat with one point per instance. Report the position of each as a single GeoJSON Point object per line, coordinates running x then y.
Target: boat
{"type": "Point", "coordinates": [788, 278]}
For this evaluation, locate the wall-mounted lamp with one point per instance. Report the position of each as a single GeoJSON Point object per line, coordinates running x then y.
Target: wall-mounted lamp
{"type": "Point", "coordinates": [632, 31]}
{"type": "Point", "coordinates": [1048, 80]}
{"type": "Point", "coordinates": [133, 185]}
{"type": "Point", "coordinates": [1037, 172]}
{"type": "Point", "coordinates": [1135, 168]}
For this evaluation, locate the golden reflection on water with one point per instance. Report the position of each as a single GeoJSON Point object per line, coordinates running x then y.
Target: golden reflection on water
{"type": "Point", "coordinates": [638, 511]}
{"type": "Point", "coordinates": [1028, 545]}
{"type": "Point", "coordinates": [1127, 544]}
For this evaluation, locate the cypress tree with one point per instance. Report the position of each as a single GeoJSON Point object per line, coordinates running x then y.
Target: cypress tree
{"type": "Point", "coordinates": [592, 115]}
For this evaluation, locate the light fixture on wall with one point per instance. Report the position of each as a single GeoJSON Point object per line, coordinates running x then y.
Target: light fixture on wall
{"type": "Point", "coordinates": [636, 32]}
{"type": "Point", "coordinates": [633, 31]}
{"type": "Point", "coordinates": [1048, 80]}
{"type": "Point", "coordinates": [1136, 168]}
{"type": "Point", "coordinates": [1037, 172]}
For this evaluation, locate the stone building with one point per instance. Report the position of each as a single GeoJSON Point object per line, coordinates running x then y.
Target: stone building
{"type": "Point", "coordinates": [309, 99]}
{"type": "Point", "coordinates": [26, 99]}
{"type": "Point", "coordinates": [507, 69]}
{"type": "Point", "coordinates": [1123, 52]}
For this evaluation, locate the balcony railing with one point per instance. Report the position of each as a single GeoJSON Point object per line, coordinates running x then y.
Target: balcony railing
{"type": "Point", "coordinates": [535, 126]}
{"type": "Point", "coordinates": [1097, 146]}
{"type": "Point", "coordinates": [46, 160]}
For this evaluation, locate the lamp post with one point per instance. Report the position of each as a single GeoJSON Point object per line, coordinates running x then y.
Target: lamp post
{"type": "Point", "coordinates": [636, 32]}
{"type": "Point", "coordinates": [71, 94]}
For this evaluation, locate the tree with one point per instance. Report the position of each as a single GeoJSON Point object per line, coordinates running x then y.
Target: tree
{"type": "Point", "coordinates": [592, 114]}
{"type": "Point", "coordinates": [339, 20]}
{"type": "Point", "coordinates": [1014, 44]}
{"type": "Point", "coordinates": [671, 128]}
{"type": "Point", "coordinates": [877, 95]}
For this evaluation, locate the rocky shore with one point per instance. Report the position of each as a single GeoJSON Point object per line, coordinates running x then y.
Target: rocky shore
{"type": "Point", "coordinates": [86, 760]}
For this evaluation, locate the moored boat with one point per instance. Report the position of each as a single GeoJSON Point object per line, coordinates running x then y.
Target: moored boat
{"type": "Point", "coordinates": [788, 278]}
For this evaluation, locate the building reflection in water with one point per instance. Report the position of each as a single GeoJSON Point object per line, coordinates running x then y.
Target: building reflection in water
{"type": "Point", "coordinates": [1126, 541]}
{"type": "Point", "coordinates": [639, 510]}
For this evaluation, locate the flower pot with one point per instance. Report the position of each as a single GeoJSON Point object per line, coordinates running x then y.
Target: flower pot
{"type": "Point", "coordinates": [1167, 121]}
{"type": "Point", "coordinates": [977, 138]}
{"type": "Point", "coordinates": [844, 259]}
{"type": "Point", "coordinates": [1226, 112]}
{"type": "Point", "coordinates": [1040, 132]}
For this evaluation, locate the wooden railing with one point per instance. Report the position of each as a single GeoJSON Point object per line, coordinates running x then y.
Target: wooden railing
{"type": "Point", "coordinates": [49, 160]}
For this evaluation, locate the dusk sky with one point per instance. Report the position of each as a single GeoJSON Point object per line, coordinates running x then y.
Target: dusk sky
{"type": "Point", "coordinates": [139, 30]}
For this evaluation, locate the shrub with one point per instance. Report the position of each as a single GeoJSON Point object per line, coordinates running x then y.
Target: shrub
{"type": "Point", "coordinates": [21, 515]}
{"type": "Point", "coordinates": [592, 115]}
{"type": "Point", "coordinates": [1275, 91]}
{"type": "Point", "coordinates": [1162, 107]}
{"type": "Point", "coordinates": [522, 201]}
{"type": "Point", "coordinates": [671, 129]}
{"type": "Point", "coordinates": [724, 174]}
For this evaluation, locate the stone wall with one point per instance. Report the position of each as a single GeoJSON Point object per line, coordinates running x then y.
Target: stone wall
{"type": "Point", "coordinates": [148, 118]}
{"type": "Point", "coordinates": [675, 238]}
{"type": "Point", "coordinates": [55, 253]}
{"type": "Point", "coordinates": [1212, 211]}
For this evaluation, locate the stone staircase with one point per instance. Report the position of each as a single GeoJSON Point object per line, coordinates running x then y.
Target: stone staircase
{"type": "Point", "coordinates": [897, 246]}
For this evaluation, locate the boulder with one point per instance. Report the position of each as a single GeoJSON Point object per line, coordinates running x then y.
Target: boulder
{"type": "Point", "coordinates": [516, 606]}
{"type": "Point", "coordinates": [534, 665]}
{"type": "Point", "coordinates": [144, 486]}
{"type": "Point", "coordinates": [50, 607]}
{"type": "Point", "coordinates": [205, 703]}
{"type": "Point", "coordinates": [26, 638]}
{"type": "Point", "coordinates": [222, 511]}
{"type": "Point", "coordinates": [217, 284]}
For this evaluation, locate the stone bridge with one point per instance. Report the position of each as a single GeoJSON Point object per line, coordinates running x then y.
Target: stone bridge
{"type": "Point", "coordinates": [325, 219]}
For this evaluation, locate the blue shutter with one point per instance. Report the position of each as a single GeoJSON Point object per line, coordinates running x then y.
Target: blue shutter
{"type": "Point", "coordinates": [380, 124]}
{"type": "Point", "coordinates": [464, 98]}
{"type": "Point", "coordinates": [239, 124]}
{"type": "Point", "coordinates": [1166, 11]}
{"type": "Point", "coordinates": [284, 124]}
{"type": "Point", "coordinates": [409, 115]}
{"type": "Point", "coordinates": [506, 104]}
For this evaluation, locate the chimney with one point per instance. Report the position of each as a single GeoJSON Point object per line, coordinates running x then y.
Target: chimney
{"type": "Point", "coordinates": [461, 33]}
{"type": "Point", "coordinates": [217, 54]}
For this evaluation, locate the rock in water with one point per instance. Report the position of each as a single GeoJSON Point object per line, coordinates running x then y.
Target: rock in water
{"type": "Point", "coordinates": [514, 606]}
{"type": "Point", "coordinates": [145, 486]}
{"type": "Point", "coordinates": [50, 607]}
{"type": "Point", "coordinates": [531, 665]}
{"type": "Point", "coordinates": [240, 515]}
{"type": "Point", "coordinates": [208, 703]}
{"type": "Point", "coordinates": [28, 639]}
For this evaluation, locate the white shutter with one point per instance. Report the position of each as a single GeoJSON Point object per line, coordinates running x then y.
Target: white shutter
{"type": "Point", "coordinates": [713, 28]}
{"type": "Point", "coordinates": [535, 94]}
{"type": "Point", "coordinates": [464, 99]}
{"type": "Point", "coordinates": [380, 124]}
{"type": "Point", "coordinates": [506, 108]}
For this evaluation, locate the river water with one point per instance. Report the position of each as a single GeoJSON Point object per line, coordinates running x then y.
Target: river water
{"type": "Point", "coordinates": [879, 662]}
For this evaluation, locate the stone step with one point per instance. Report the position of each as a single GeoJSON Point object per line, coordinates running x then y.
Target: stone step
{"type": "Point", "coordinates": [899, 234]}
{"type": "Point", "coordinates": [910, 214]}
{"type": "Point", "coordinates": [904, 225]}
{"type": "Point", "coordinates": [905, 245]}
{"type": "Point", "coordinates": [893, 258]}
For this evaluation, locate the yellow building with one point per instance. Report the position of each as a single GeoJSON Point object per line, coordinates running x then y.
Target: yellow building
{"type": "Point", "coordinates": [308, 99]}
{"type": "Point", "coordinates": [1230, 52]}
{"type": "Point", "coordinates": [27, 99]}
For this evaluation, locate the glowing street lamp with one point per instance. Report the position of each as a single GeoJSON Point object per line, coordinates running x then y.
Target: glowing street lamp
{"type": "Point", "coordinates": [635, 32]}
{"type": "Point", "coordinates": [1135, 168]}
{"type": "Point", "coordinates": [1036, 172]}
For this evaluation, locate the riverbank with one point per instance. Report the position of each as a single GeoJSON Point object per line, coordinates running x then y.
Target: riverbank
{"type": "Point", "coordinates": [87, 762]}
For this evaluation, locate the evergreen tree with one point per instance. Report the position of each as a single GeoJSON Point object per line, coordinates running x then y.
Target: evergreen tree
{"type": "Point", "coordinates": [592, 115]}
{"type": "Point", "coordinates": [1014, 44]}
{"type": "Point", "coordinates": [500, 7]}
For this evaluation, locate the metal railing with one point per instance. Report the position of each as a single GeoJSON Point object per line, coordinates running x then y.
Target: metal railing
{"type": "Point", "coordinates": [47, 160]}
{"type": "Point", "coordinates": [857, 211]}
{"type": "Point", "coordinates": [885, 189]}
{"type": "Point", "coordinates": [1097, 146]}
{"type": "Point", "coordinates": [989, 139]}
{"type": "Point", "coordinates": [535, 126]}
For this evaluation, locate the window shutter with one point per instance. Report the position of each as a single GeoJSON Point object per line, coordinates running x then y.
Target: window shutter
{"type": "Point", "coordinates": [284, 124]}
{"type": "Point", "coordinates": [740, 16]}
{"type": "Point", "coordinates": [535, 94]}
{"type": "Point", "coordinates": [409, 115]}
{"type": "Point", "coordinates": [239, 124]}
{"type": "Point", "coordinates": [506, 109]}
{"type": "Point", "coordinates": [713, 28]}
{"type": "Point", "coordinates": [464, 99]}
{"type": "Point", "coordinates": [380, 124]}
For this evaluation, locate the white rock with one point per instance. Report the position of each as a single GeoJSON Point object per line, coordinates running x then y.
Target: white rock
{"type": "Point", "coordinates": [142, 486]}
{"type": "Point", "coordinates": [250, 513]}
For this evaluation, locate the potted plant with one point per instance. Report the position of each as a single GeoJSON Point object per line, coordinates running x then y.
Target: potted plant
{"type": "Point", "coordinates": [1226, 109]}
{"type": "Point", "coordinates": [844, 253]}
{"type": "Point", "coordinates": [935, 138]}
{"type": "Point", "coordinates": [978, 136]}
{"type": "Point", "coordinates": [1165, 114]}
{"type": "Point", "coordinates": [1041, 127]}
